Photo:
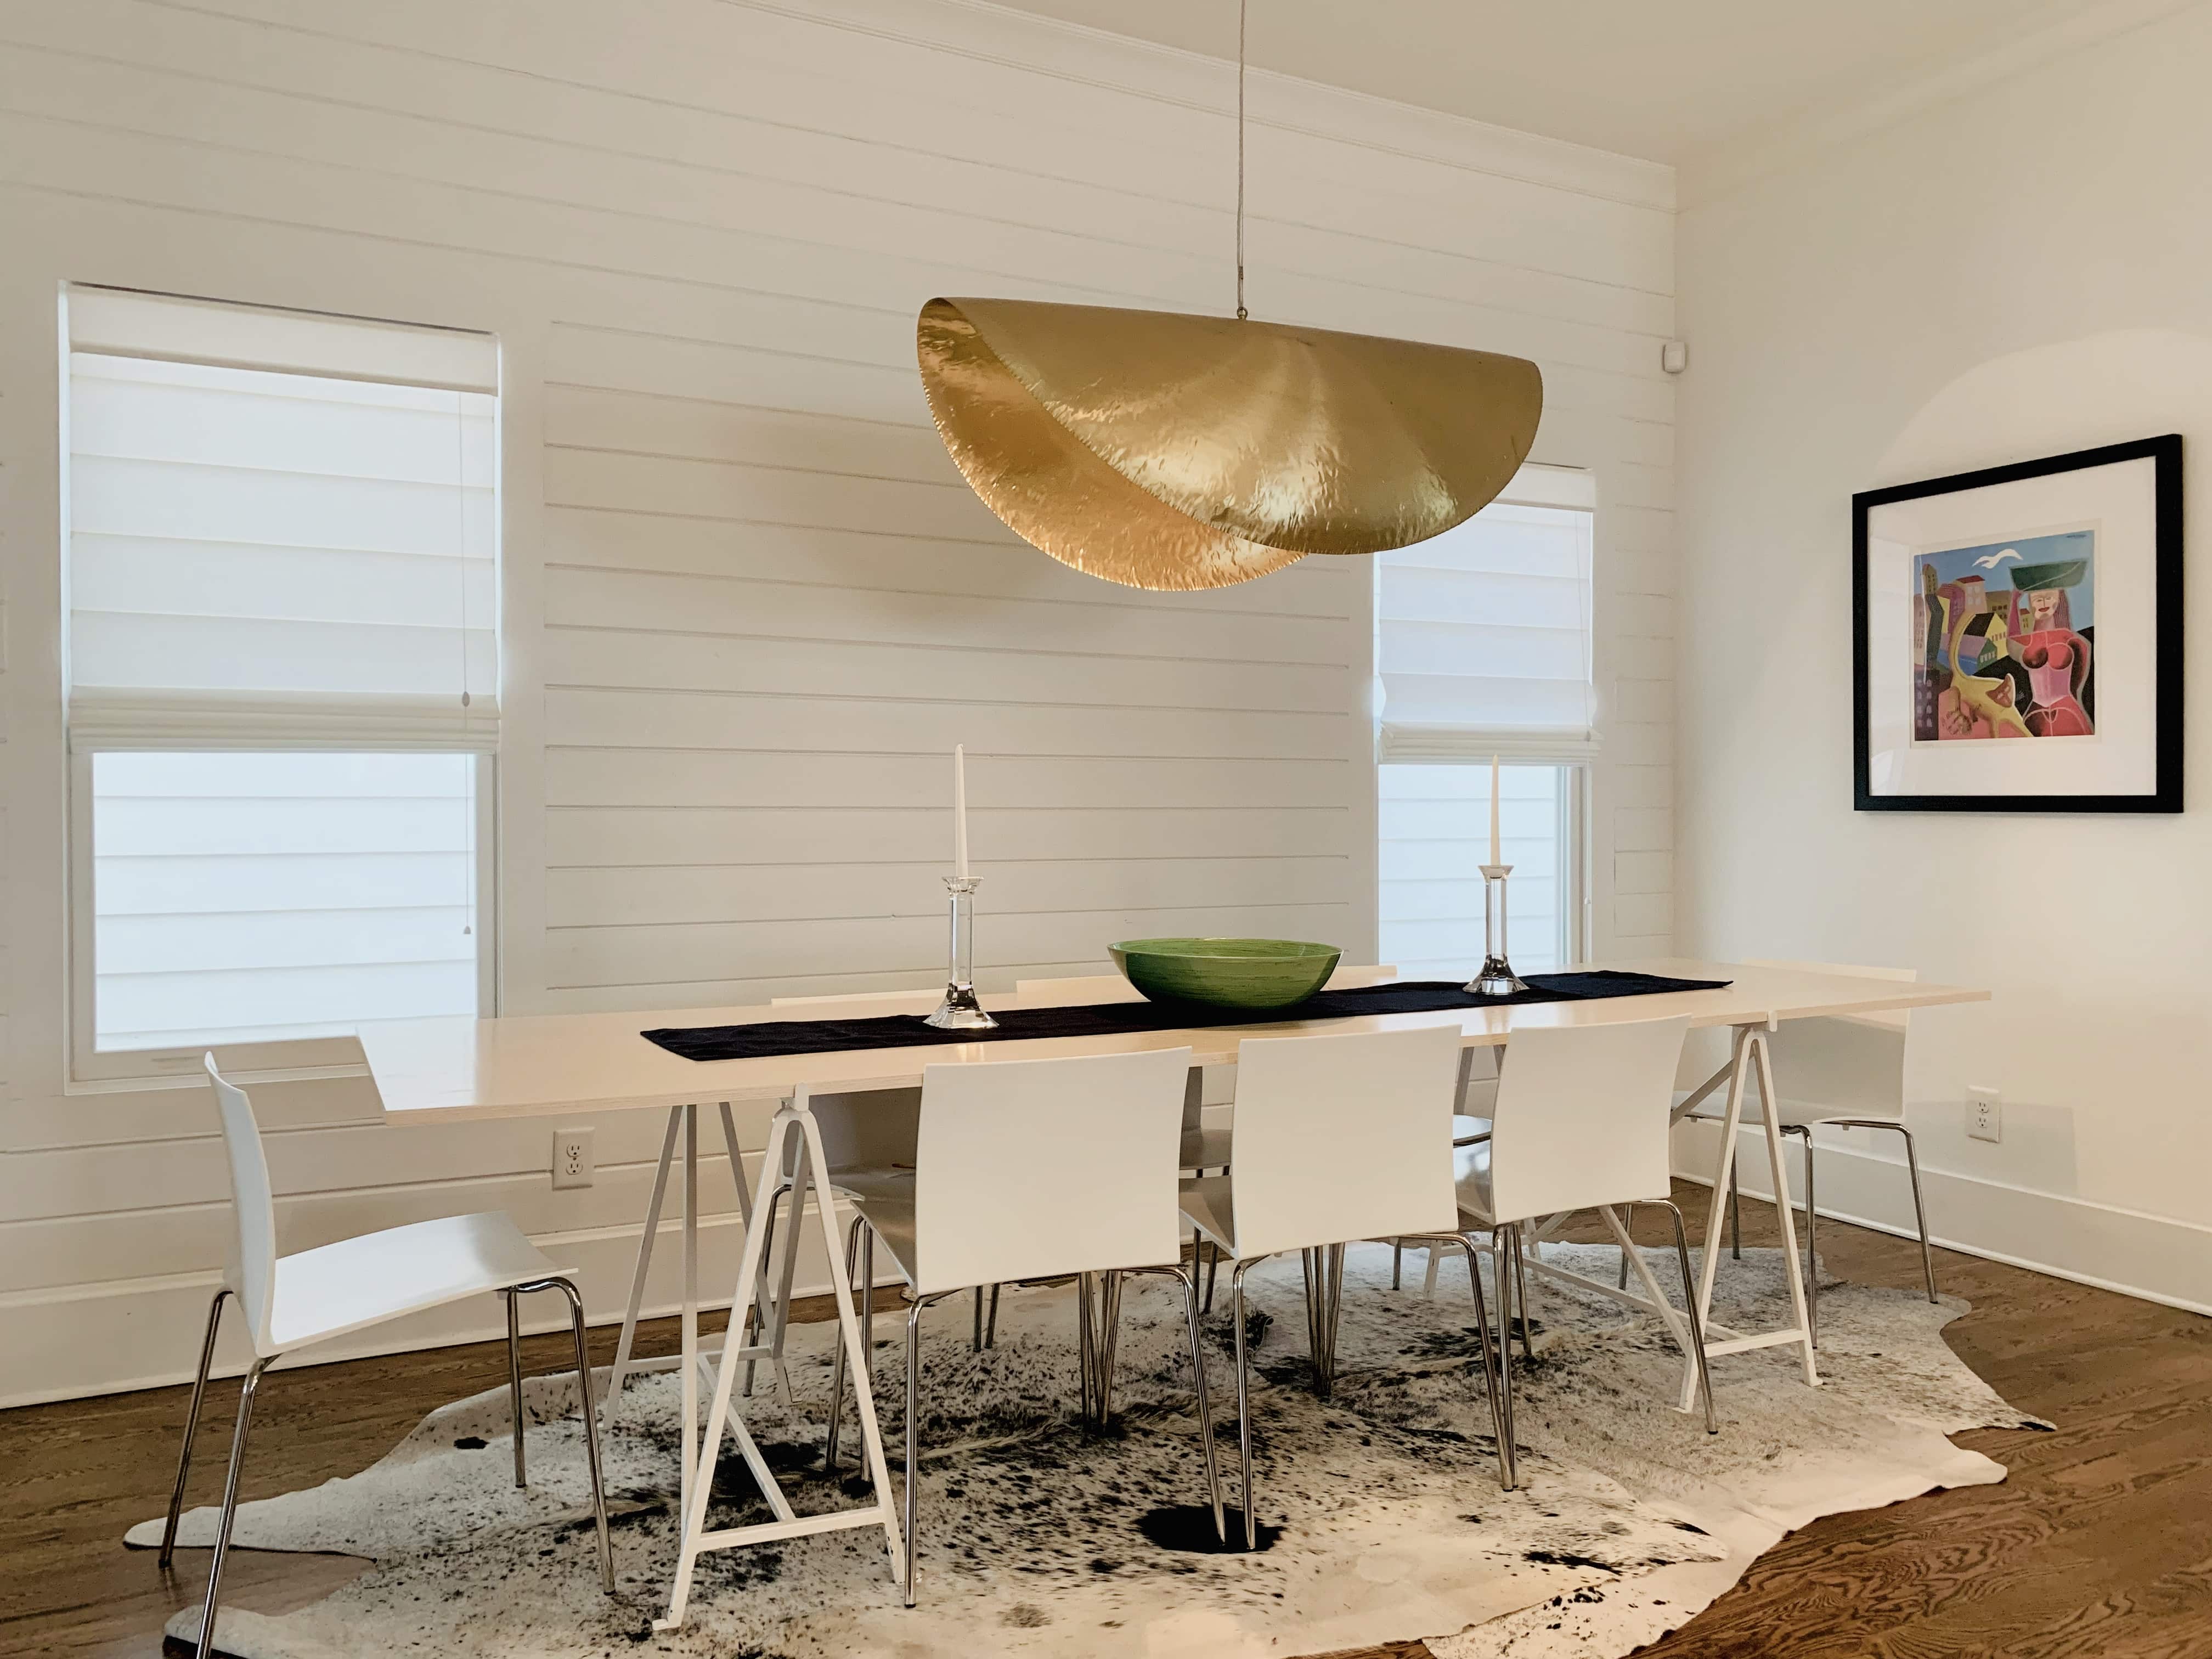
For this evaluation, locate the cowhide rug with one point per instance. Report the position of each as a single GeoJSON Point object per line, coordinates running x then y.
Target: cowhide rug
{"type": "Point", "coordinates": [1382, 1514]}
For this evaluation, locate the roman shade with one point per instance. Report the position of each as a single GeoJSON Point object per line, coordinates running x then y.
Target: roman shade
{"type": "Point", "coordinates": [1483, 633]}
{"type": "Point", "coordinates": [282, 530]}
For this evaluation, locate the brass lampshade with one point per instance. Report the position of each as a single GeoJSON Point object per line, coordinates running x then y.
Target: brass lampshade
{"type": "Point", "coordinates": [1167, 451]}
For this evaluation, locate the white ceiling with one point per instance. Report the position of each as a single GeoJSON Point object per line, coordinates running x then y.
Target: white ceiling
{"type": "Point", "coordinates": [1660, 79]}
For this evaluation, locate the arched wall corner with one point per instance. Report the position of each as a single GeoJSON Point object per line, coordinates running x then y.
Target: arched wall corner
{"type": "Point", "coordinates": [2102, 388]}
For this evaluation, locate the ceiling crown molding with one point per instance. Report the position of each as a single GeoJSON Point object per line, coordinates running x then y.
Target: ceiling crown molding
{"type": "Point", "coordinates": [1721, 170]}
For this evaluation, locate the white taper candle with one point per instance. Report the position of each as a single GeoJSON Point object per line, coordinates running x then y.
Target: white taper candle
{"type": "Point", "coordinates": [960, 811]}
{"type": "Point", "coordinates": [1495, 859]}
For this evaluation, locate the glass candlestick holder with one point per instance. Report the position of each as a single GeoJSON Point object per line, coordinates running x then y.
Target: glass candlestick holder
{"type": "Point", "coordinates": [960, 1012]}
{"type": "Point", "coordinates": [1497, 977]}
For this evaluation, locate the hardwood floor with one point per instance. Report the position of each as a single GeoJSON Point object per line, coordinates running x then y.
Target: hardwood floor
{"type": "Point", "coordinates": [2099, 1544]}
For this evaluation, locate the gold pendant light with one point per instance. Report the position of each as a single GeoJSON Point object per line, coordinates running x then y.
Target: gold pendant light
{"type": "Point", "coordinates": [1165, 450]}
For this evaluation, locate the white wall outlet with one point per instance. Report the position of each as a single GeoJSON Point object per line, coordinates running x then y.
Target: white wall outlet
{"type": "Point", "coordinates": [572, 1157]}
{"type": "Point", "coordinates": [1984, 1114]}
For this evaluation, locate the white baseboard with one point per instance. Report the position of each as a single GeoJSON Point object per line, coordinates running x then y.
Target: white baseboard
{"type": "Point", "coordinates": [2154, 1257]}
{"type": "Point", "coordinates": [74, 1342]}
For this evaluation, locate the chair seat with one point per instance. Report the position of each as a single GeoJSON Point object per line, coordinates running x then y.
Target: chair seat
{"type": "Point", "coordinates": [862, 1180]}
{"type": "Point", "coordinates": [1471, 1181]}
{"type": "Point", "coordinates": [1206, 1149]}
{"type": "Point", "coordinates": [1205, 1206]}
{"type": "Point", "coordinates": [887, 1204]}
{"type": "Point", "coordinates": [358, 1282]}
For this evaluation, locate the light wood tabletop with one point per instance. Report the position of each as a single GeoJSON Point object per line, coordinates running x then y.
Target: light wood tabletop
{"type": "Point", "coordinates": [536, 1064]}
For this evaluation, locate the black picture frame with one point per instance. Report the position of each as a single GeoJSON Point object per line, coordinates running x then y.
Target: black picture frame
{"type": "Point", "coordinates": [2165, 454]}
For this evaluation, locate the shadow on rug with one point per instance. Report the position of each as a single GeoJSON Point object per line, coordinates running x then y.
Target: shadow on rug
{"type": "Point", "coordinates": [1384, 1519]}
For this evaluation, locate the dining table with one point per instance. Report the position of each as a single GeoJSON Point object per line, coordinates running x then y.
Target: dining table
{"type": "Point", "coordinates": [542, 1066]}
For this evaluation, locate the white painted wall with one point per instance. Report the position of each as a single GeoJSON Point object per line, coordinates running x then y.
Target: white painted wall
{"type": "Point", "coordinates": [749, 605]}
{"type": "Point", "coordinates": [2016, 273]}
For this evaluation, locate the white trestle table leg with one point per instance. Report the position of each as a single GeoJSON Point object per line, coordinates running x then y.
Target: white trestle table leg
{"type": "Point", "coordinates": [722, 1419]}
{"type": "Point", "coordinates": [1749, 1055]}
{"type": "Point", "coordinates": [623, 1367]}
{"type": "Point", "coordinates": [1783, 1211]}
{"type": "Point", "coordinates": [690, 1311]}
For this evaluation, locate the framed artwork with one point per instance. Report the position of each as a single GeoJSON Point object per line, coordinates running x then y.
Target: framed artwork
{"type": "Point", "coordinates": [2017, 637]}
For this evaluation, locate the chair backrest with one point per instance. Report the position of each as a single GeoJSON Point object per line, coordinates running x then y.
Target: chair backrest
{"type": "Point", "coordinates": [252, 1203]}
{"type": "Point", "coordinates": [1580, 1118]}
{"type": "Point", "coordinates": [876, 1127]}
{"type": "Point", "coordinates": [1025, 1169]}
{"type": "Point", "coordinates": [1343, 1136]}
{"type": "Point", "coordinates": [1846, 1066]}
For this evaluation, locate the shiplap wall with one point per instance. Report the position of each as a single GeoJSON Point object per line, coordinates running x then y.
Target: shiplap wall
{"type": "Point", "coordinates": [748, 603]}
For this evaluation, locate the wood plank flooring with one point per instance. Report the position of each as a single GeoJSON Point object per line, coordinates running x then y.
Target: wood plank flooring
{"type": "Point", "coordinates": [2101, 1543]}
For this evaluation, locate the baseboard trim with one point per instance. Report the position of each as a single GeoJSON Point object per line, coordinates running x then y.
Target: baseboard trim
{"type": "Point", "coordinates": [2155, 1258]}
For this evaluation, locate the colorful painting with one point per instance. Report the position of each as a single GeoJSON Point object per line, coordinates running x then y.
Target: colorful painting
{"type": "Point", "coordinates": [2004, 639]}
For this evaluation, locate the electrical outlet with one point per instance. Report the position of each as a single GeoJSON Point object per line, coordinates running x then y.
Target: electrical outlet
{"type": "Point", "coordinates": [1984, 1114]}
{"type": "Point", "coordinates": [572, 1157]}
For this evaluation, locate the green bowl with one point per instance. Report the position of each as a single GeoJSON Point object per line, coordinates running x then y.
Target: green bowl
{"type": "Point", "coordinates": [1226, 972]}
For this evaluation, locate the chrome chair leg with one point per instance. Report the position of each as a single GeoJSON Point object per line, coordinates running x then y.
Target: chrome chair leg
{"type": "Point", "coordinates": [912, 1433]}
{"type": "Point", "coordinates": [1735, 1210]}
{"type": "Point", "coordinates": [1243, 1403]}
{"type": "Point", "coordinates": [1919, 1211]}
{"type": "Point", "coordinates": [976, 1341]}
{"type": "Point", "coordinates": [1912, 1168]}
{"type": "Point", "coordinates": [862, 1295]}
{"type": "Point", "coordinates": [1501, 1253]}
{"type": "Point", "coordinates": [1521, 1293]}
{"type": "Point", "coordinates": [867, 1294]}
{"type": "Point", "coordinates": [1109, 1338]}
{"type": "Point", "coordinates": [192, 1427]}
{"type": "Point", "coordinates": [246, 1395]}
{"type": "Point", "coordinates": [1204, 1410]}
{"type": "Point", "coordinates": [1397, 1262]}
{"type": "Point", "coordinates": [1212, 1272]}
{"type": "Point", "coordinates": [1505, 1471]}
{"type": "Point", "coordinates": [1323, 1267]}
{"type": "Point", "coordinates": [1690, 1310]}
{"type": "Point", "coordinates": [1627, 1226]}
{"type": "Point", "coordinates": [766, 1215]}
{"type": "Point", "coordinates": [1468, 1242]}
{"type": "Point", "coordinates": [1812, 1260]}
{"type": "Point", "coordinates": [991, 1325]}
{"type": "Point", "coordinates": [1086, 1359]}
{"type": "Point", "coordinates": [575, 1301]}
{"type": "Point", "coordinates": [1187, 1279]}
{"type": "Point", "coordinates": [514, 1381]}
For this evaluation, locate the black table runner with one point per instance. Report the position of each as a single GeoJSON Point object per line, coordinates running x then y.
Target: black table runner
{"type": "Point", "coordinates": [777, 1039]}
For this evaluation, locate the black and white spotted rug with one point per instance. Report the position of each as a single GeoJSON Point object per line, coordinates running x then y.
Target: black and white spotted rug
{"type": "Point", "coordinates": [1383, 1517]}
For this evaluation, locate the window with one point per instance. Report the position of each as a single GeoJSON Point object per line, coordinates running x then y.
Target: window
{"type": "Point", "coordinates": [283, 674]}
{"type": "Point", "coordinates": [1483, 646]}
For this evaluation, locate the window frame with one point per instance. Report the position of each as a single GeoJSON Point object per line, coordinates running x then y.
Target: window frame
{"type": "Point", "coordinates": [89, 1071]}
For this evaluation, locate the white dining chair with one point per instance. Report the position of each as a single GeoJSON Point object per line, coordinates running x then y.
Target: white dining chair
{"type": "Point", "coordinates": [1339, 1137]}
{"type": "Point", "coordinates": [1843, 1072]}
{"type": "Point", "coordinates": [1478, 1091]}
{"type": "Point", "coordinates": [1205, 1145]}
{"type": "Point", "coordinates": [1580, 1122]}
{"type": "Point", "coordinates": [976, 1210]}
{"type": "Point", "coordinates": [869, 1137]}
{"type": "Point", "coordinates": [293, 1302]}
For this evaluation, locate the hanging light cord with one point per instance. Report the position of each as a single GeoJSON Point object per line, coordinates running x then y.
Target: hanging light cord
{"type": "Point", "coordinates": [1241, 5]}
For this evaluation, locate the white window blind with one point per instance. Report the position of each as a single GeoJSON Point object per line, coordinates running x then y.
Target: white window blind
{"type": "Point", "coordinates": [282, 529]}
{"type": "Point", "coordinates": [264, 897]}
{"type": "Point", "coordinates": [1483, 633]}
{"type": "Point", "coordinates": [1434, 821]}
